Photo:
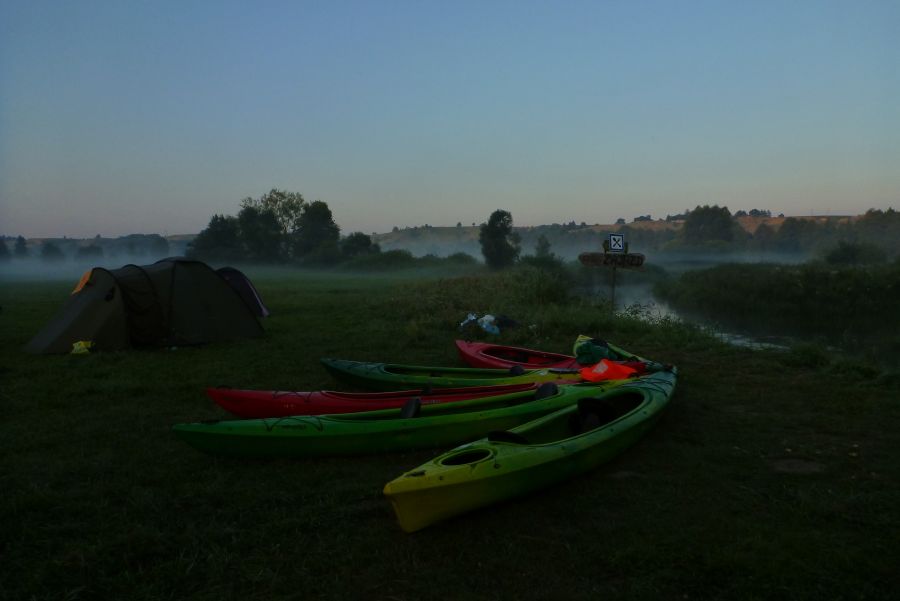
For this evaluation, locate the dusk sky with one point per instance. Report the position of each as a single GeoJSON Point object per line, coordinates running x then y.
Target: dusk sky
{"type": "Point", "coordinates": [149, 117]}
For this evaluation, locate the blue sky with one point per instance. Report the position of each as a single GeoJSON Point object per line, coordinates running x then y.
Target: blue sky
{"type": "Point", "coordinates": [127, 117]}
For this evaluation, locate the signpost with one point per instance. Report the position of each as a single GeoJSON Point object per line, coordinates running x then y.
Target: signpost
{"type": "Point", "coordinates": [616, 243]}
{"type": "Point", "coordinates": [615, 254]}
{"type": "Point", "coordinates": [629, 261]}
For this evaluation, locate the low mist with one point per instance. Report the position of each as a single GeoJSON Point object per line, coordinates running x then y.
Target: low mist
{"type": "Point", "coordinates": [36, 269]}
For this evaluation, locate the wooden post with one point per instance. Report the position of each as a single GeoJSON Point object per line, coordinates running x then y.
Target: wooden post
{"type": "Point", "coordinates": [612, 260]}
{"type": "Point", "coordinates": [613, 295]}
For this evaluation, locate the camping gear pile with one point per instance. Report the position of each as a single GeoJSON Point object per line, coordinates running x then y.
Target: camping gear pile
{"type": "Point", "coordinates": [525, 419]}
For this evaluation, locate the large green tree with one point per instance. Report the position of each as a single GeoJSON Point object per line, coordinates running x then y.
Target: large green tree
{"type": "Point", "coordinates": [220, 241]}
{"type": "Point", "coordinates": [763, 237]}
{"type": "Point", "coordinates": [708, 224]}
{"type": "Point", "coordinates": [51, 252]}
{"type": "Point", "coordinates": [20, 249]}
{"type": "Point", "coordinates": [286, 206]}
{"type": "Point", "coordinates": [4, 252]}
{"type": "Point", "coordinates": [795, 235]}
{"type": "Point", "coordinates": [499, 243]}
{"type": "Point", "coordinates": [316, 237]}
{"type": "Point", "coordinates": [357, 244]}
{"type": "Point", "coordinates": [261, 234]}
{"type": "Point", "coordinates": [542, 247]}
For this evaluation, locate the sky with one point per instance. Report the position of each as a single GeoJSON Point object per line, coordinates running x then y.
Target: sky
{"type": "Point", "coordinates": [149, 117]}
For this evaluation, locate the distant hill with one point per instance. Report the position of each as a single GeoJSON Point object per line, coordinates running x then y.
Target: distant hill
{"type": "Point", "coordinates": [751, 223]}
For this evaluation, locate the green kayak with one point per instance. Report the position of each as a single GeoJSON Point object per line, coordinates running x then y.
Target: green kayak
{"type": "Point", "coordinates": [394, 376]}
{"type": "Point", "coordinates": [411, 427]}
{"type": "Point", "coordinates": [537, 454]}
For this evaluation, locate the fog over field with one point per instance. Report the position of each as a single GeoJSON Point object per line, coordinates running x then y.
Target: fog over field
{"type": "Point", "coordinates": [33, 269]}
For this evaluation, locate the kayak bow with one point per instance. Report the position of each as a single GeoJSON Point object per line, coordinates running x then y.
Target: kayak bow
{"type": "Point", "coordinates": [532, 456]}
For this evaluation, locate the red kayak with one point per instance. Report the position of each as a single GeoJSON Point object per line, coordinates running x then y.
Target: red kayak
{"type": "Point", "coordinates": [253, 404]}
{"type": "Point", "coordinates": [497, 356]}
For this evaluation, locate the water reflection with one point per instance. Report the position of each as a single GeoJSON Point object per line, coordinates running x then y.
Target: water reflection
{"type": "Point", "coordinates": [639, 301]}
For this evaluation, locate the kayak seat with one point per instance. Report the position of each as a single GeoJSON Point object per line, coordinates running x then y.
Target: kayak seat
{"type": "Point", "coordinates": [506, 436]}
{"type": "Point", "coordinates": [516, 370]}
{"type": "Point", "coordinates": [412, 408]}
{"type": "Point", "coordinates": [546, 390]}
{"type": "Point", "coordinates": [592, 413]}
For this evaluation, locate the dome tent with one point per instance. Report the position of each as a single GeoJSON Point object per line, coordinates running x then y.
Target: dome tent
{"type": "Point", "coordinates": [245, 288]}
{"type": "Point", "coordinates": [173, 302]}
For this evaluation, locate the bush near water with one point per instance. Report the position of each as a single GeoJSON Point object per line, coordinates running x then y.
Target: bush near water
{"type": "Point", "coordinates": [854, 307]}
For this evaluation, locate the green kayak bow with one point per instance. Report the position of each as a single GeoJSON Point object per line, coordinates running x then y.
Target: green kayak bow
{"type": "Point", "coordinates": [532, 456]}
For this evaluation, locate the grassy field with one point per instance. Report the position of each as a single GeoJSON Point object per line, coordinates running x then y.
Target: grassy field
{"type": "Point", "coordinates": [771, 476]}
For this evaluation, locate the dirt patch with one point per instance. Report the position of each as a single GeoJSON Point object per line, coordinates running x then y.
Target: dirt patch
{"type": "Point", "coordinates": [798, 466]}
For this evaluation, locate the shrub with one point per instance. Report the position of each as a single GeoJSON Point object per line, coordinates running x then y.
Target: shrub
{"type": "Point", "coordinates": [855, 253]}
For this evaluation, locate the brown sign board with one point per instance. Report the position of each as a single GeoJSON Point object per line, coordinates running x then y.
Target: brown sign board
{"type": "Point", "coordinates": [625, 261]}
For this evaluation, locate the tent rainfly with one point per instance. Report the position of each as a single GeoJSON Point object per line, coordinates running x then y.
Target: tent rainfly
{"type": "Point", "coordinates": [173, 302]}
{"type": "Point", "coordinates": [245, 288]}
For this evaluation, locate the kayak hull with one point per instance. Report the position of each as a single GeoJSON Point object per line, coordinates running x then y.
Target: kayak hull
{"type": "Point", "coordinates": [436, 425]}
{"type": "Point", "coordinates": [497, 356]}
{"type": "Point", "coordinates": [251, 404]}
{"type": "Point", "coordinates": [547, 451]}
{"type": "Point", "coordinates": [393, 376]}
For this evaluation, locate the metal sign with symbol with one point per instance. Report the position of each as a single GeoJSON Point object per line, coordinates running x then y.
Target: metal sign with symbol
{"type": "Point", "coordinates": [617, 243]}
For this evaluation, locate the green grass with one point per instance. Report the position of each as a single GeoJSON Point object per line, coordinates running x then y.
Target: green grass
{"type": "Point", "coordinates": [770, 476]}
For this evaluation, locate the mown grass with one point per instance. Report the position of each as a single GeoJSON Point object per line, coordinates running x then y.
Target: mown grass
{"type": "Point", "coordinates": [771, 476]}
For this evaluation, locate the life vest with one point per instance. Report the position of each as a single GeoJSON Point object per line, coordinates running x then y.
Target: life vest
{"type": "Point", "coordinates": [607, 370]}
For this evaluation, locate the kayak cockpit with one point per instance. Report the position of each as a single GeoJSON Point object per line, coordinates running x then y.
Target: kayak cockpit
{"type": "Point", "coordinates": [530, 358]}
{"type": "Point", "coordinates": [467, 456]}
{"type": "Point", "coordinates": [596, 412]}
{"type": "Point", "coordinates": [589, 414]}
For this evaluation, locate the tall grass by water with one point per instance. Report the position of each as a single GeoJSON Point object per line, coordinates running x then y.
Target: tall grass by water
{"type": "Point", "coordinates": [852, 307]}
{"type": "Point", "coordinates": [770, 475]}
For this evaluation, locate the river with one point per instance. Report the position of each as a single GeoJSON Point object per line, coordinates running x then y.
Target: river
{"type": "Point", "coordinates": [639, 300]}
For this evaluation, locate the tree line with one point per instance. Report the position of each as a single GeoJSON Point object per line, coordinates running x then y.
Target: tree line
{"type": "Point", "coordinates": [56, 250]}
{"type": "Point", "coordinates": [714, 229]}
{"type": "Point", "coordinates": [282, 227]}
{"type": "Point", "coordinates": [279, 227]}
